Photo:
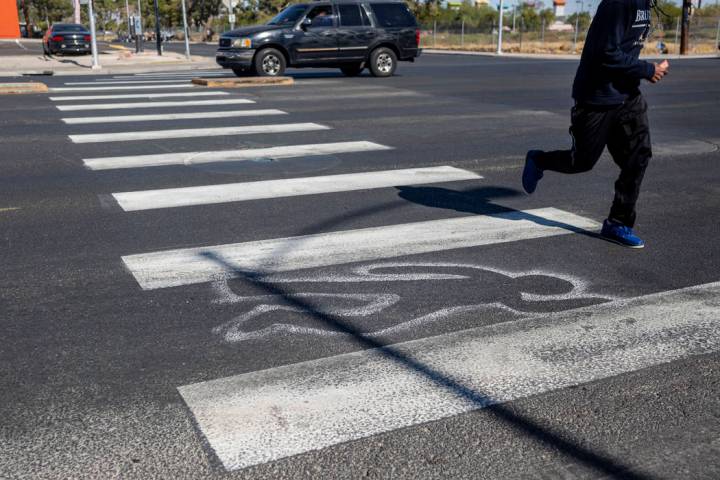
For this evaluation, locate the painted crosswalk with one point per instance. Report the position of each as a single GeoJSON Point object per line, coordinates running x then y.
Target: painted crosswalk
{"type": "Point", "coordinates": [134, 105]}
{"type": "Point", "coordinates": [203, 264]}
{"type": "Point", "coordinates": [190, 158]}
{"type": "Point", "coordinates": [372, 392]}
{"type": "Point", "coordinates": [67, 98]}
{"type": "Point", "coordinates": [266, 415]}
{"type": "Point", "coordinates": [196, 132]}
{"type": "Point", "coordinates": [172, 116]}
{"type": "Point", "coordinates": [237, 192]}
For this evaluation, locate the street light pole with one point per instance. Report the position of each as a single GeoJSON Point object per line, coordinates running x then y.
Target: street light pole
{"type": "Point", "coordinates": [93, 37]}
{"type": "Point", "coordinates": [500, 29]}
{"type": "Point", "coordinates": [187, 41]}
{"type": "Point", "coordinates": [577, 26]}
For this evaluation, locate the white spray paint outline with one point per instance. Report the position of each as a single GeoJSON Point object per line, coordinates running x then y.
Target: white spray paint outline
{"type": "Point", "coordinates": [376, 303]}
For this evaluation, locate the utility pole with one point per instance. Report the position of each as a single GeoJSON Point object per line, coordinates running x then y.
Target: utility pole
{"type": "Point", "coordinates": [158, 40]}
{"type": "Point", "coordinates": [514, 10]}
{"type": "Point", "coordinates": [685, 33]}
{"type": "Point", "coordinates": [185, 27]}
{"type": "Point", "coordinates": [500, 29]}
{"type": "Point", "coordinates": [76, 10]}
{"type": "Point", "coordinates": [677, 34]}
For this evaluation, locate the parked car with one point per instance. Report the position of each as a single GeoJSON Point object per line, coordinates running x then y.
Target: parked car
{"type": "Point", "coordinates": [67, 38]}
{"type": "Point", "coordinates": [345, 34]}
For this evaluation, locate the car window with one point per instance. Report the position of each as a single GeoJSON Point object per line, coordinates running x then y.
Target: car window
{"type": "Point", "coordinates": [350, 16]}
{"type": "Point", "coordinates": [321, 16]}
{"type": "Point", "coordinates": [69, 28]}
{"type": "Point", "coordinates": [393, 15]}
{"type": "Point", "coordinates": [289, 16]}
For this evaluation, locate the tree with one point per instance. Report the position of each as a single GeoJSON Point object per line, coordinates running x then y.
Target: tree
{"type": "Point", "coordinates": [583, 22]}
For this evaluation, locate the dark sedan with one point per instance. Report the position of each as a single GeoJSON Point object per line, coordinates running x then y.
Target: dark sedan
{"type": "Point", "coordinates": [66, 38]}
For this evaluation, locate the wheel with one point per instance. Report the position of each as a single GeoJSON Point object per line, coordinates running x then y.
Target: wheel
{"type": "Point", "coordinates": [383, 62]}
{"type": "Point", "coordinates": [352, 69]}
{"type": "Point", "coordinates": [269, 63]}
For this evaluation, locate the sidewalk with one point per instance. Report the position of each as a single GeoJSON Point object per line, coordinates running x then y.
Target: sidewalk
{"type": "Point", "coordinates": [112, 60]}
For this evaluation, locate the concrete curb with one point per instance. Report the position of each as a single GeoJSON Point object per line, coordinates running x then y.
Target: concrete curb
{"type": "Point", "coordinates": [19, 88]}
{"type": "Point", "coordinates": [243, 82]}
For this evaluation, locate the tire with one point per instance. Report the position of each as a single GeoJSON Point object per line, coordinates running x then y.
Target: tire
{"type": "Point", "coordinates": [383, 62]}
{"type": "Point", "coordinates": [269, 62]}
{"type": "Point", "coordinates": [352, 69]}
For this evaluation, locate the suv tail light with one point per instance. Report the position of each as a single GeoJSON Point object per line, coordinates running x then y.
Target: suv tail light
{"type": "Point", "coordinates": [87, 38]}
{"type": "Point", "coordinates": [417, 37]}
{"type": "Point", "coordinates": [58, 38]}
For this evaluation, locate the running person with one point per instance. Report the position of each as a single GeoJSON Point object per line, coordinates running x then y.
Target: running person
{"type": "Point", "coordinates": [609, 111]}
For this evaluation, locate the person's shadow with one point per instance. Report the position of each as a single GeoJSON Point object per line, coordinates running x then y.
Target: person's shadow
{"type": "Point", "coordinates": [479, 201]}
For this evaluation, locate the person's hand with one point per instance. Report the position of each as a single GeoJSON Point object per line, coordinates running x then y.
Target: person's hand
{"type": "Point", "coordinates": [661, 69]}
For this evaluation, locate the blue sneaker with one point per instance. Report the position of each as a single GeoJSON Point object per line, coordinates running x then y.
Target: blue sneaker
{"type": "Point", "coordinates": [620, 234]}
{"type": "Point", "coordinates": [531, 173]}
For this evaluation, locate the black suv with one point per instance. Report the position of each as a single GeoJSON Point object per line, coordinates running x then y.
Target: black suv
{"type": "Point", "coordinates": [347, 34]}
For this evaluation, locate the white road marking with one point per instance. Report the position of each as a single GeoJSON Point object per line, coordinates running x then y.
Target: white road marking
{"type": "Point", "coordinates": [131, 87]}
{"type": "Point", "coordinates": [212, 93]}
{"type": "Point", "coordinates": [115, 106]}
{"type": "Point", "coordinates": [197, 265]}
{"type": "Point", "coordinates": [195, 132]}
{"type": "Point", "coordinates": [238, 192]}
{"type": "Point", "coordinates": [122, 82]}
{"type": "Point", "coordinates": [178, 76]}
{"type": "Point", "coordinates": [266, 415]}
{"type": "Point", "coordinates": [184, 72]}
{"type": "Point", "coordinates": [190, 158]}
{"type": "Point", "coordinates": [172, 116]}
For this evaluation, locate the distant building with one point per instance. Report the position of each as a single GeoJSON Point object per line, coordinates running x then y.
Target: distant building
{"type": "Point", "coordinates": [559, 8]}
{"type": "Point", "coordinates": [9, 23]}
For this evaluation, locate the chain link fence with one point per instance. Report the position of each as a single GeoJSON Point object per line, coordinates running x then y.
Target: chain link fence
{"type": "Point", "coordinates": [704, 37]}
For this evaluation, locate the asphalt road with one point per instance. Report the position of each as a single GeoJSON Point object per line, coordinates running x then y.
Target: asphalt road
{"type": "Point", "coordinates": [105, 348]}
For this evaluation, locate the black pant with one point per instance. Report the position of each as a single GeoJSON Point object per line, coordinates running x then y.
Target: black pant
{"type": "Point", "coordinates": [626, 132]}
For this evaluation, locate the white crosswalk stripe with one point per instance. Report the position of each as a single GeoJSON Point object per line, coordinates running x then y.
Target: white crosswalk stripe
{"type": "Point", "coordinates": [212, 93]}
{"type": "Point", "coordinates": [189, 158]}
{"type": "Point", "coordinates": [195, 132]}
{"type": "Point", "coordinates": [121, 87]}
{"type": "Point", "coordinates": [133, 105]}
{"type": "Point", "coordinates": [348, 397]}
{"type": "Point", "coordinates": [236, 192]}
{"type": "Point", "coordinates": [172, 116]}
{"type": "Point", "coordinates": [122, 82]}
{"type": "Point", "coordinates": [197, 265]}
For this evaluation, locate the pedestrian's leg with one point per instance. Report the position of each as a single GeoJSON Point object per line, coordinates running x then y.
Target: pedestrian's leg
{"type": "Point", "coordinates": [589, 132]}
{"type": "Point", "coordinates": [629, 145]}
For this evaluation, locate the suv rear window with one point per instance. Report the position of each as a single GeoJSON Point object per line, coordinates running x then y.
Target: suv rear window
{"type": "Point", "coordinates": [393, 15]}
{"type": "Point", "coordinates": [350, 16]}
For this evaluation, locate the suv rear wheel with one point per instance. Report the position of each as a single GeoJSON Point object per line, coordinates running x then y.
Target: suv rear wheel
{"type": "Point", "coordinates": [269, 62]}
{"type": "Point", "coordinates": [352, 69]}
{"type": "Point", "coordinates": [383, 62]}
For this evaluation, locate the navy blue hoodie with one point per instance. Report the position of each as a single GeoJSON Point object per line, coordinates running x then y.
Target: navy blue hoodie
{"type": "Point", "coordinates": [610, 71]}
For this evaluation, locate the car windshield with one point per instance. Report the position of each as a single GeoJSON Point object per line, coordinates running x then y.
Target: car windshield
{"type": "Point", "coordinates": [69, 28]}
{"type": "Point", "coordinates": [289, 16]}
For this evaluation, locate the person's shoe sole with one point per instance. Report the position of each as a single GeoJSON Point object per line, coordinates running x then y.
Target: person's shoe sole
{"type": "Point", "coordinates": [613, 240]}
